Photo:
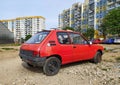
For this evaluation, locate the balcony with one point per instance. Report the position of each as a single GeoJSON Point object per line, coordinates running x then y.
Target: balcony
{"type": "Point", "coordinates": [117, 0]}
{"type": "Point", "coordinates": [91, 15]}
{"type": "Point", "coordinates": [110, 8]}
{"type": "Point", "coordinates": [90, 11]}
{"type": "Point", "coordinates": [109, 3]}
{"type": "Point", "coordinates": [118, 4]}
{"type": "Point", "coordinates": [90, 20]}
{"type": "Point", "coordinates": [91, 1]}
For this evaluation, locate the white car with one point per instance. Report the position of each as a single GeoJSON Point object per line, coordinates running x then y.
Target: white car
{"type": "Point", "coordinates": [117, 40]}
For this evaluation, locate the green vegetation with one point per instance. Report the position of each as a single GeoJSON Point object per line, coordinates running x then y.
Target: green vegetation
{"type": "Point", "coordinates": [8, 48]}
{"type": "Point", "coordinates": [89, 33]}
{"type": "Point", "coordinates": [27, 37]}
{"type": "Point", "coordinates": [111, 23]}
{"type": "Point", "coordinates": [10, 44]}
{"type": "Point", "coordinates": [68, 28]}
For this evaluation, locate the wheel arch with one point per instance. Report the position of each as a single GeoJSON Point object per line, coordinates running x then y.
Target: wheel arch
{"type": "Point", "coordinates": [100, 51]}
{"type": "Point", "coordinates": [55, 55]}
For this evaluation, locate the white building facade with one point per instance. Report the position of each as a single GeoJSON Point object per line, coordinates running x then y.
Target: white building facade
{"type": "Point", "coordinates": [23, 26]}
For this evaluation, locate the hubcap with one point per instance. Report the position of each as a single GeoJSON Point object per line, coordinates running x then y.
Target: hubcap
{"type": "Point", "coordinates": [52, 66]}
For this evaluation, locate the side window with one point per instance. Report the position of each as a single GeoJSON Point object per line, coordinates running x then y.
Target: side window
{"type": "Point", "coordinates": [63, 38]}
{"type": "Point", "coordinates": [77, 39]}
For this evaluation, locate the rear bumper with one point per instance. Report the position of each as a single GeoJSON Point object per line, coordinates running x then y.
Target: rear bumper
{"type": "Point", "coordinates": [36, 61]}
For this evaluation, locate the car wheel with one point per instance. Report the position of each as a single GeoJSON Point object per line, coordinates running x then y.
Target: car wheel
{"type": "Point", "coordinates": [51, 66]}
{"type": "Point", "coordinates": [97, 58]}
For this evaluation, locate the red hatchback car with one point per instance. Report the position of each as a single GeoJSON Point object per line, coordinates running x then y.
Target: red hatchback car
{"type": "Point", "coordinates": [53, 48]}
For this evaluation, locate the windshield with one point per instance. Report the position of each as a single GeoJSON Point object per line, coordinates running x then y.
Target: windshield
{"type": "Point", "coordinates": [37, 38]}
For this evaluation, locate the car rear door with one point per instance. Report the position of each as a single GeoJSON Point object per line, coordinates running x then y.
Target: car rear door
{"type": "Point", "coordinates": [81, 48]}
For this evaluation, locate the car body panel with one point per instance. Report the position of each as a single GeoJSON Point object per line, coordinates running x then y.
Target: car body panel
{"type": "Point", "coordinates": [117, 40]}
{"type": "Point", "coordinates": [109, 41]}
{"type": "Point", "coordinates": [67, 52]}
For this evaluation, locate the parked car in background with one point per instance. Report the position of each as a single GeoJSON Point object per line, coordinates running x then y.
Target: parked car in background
{"type": "Point", "coordinates": [53, 48]}
{"type": "Point", "coordinates": [117, 40]}
{"type": "Point", "coordinates": [109, 41]}
{"type": "Point", "coordinates": [97, 41]}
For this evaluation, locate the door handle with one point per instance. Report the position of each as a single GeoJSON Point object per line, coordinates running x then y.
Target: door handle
{"type": "Point", "coordinates": [74, 46]}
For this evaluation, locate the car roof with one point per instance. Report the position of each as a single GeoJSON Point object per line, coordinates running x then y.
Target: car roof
{"type": "Point", "coordinates": [58, 30]}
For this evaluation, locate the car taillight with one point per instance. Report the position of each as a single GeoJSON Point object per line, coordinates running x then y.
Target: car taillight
{"type": "Point", "coordinates": [35, 54]}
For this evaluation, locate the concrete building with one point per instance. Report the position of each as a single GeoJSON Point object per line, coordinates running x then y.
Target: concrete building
{"type": "Point", "coordinates": [28, 26]}
{"type": "Point", "coordinates": [76, 15]}
{"type": "Point", "coordinates": [85, 16]}
{"type": "Point", "coordinates": [23, 26]}
{"type": "Point", "coordinates": [6, 36]}
{"type": "Point", "coordinates": [111, 4]}
{"type": "Point", "coordinates": [88, 14]}
{"type": "Point", "coordinates": [64, 18]}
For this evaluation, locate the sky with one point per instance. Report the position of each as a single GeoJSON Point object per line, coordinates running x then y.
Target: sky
{"type": "Point", "coordinates": [50, 9]}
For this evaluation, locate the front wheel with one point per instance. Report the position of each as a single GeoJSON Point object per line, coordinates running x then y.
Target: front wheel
{"type": "Point", "coordinates": [51, 66]}
{"type": "Point", "coordinates": [97, 58]}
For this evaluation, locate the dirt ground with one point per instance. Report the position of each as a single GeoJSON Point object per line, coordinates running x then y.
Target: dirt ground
{"type": "Point", "coordinates": [15, 72]}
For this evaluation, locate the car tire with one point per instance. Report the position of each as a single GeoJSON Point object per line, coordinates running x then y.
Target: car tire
{"type": "Point", "coordinates": [97, 58]}
{"type": "Point", "coordinates": [51, 66]}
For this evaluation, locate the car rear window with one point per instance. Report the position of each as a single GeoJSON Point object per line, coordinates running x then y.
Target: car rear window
{"type": "Point", "coordinates": [38, 38]}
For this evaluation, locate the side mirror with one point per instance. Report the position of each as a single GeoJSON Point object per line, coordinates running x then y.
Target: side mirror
{"type": "Point", "coordinates": [90, 43]}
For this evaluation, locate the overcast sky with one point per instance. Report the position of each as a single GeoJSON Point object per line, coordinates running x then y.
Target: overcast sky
{"type": "Point", "coordinates": [49, 9]}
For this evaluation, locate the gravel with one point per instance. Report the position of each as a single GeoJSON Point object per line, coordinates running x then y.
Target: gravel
{"type": "Point", "coordinates": [15, 72]}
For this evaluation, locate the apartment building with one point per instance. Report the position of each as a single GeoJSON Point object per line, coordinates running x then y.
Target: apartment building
{"type": "Point", "coordinates": [76, 13]}
{"type": "Point", "coordinates": [23, 26]}
{"type": "Point", "coordinates": [89, 14]}
{"type": "Point", "coordinates": [28, 26]}
{"type": "Point", "coordinates": [64, 18]}
{"type": "Point", "coordinates": [84, 16]}
{"type": "Point", "coordinates": [71, 17]}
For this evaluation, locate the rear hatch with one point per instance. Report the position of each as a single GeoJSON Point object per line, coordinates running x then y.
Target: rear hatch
{"type": "Point", "coordinates": [33, 45]}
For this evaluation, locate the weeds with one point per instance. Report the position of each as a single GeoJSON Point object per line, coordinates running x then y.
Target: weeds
{"type": "Point", "coordinates": [7, 48]}
{"type": "Point", "coordinates": [10, 44]}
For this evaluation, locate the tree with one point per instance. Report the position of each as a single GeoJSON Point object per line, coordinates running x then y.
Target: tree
{"type": "Point", "coordinates": [89, 33]}
{"type": "Point", "coordinates": [111, 22]}
{"type": "Point", "coordinates": [78, 29]}
{"type": "Point", "coordinates": [27, 37]}
{"type": "Point", "coordinates": [68, 28]}
{"type": "Point", "coordinates": [103, 30]}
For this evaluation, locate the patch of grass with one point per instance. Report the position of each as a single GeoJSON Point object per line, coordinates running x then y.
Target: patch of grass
{"type": "Point", "coordinates": [8, 48]}
{"type": "Point", "coordinates": [10, 44]}
{"type": "Point", "coordinates": [105, 50]}
{"type": "Point", "coordinates": [109, 60]}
